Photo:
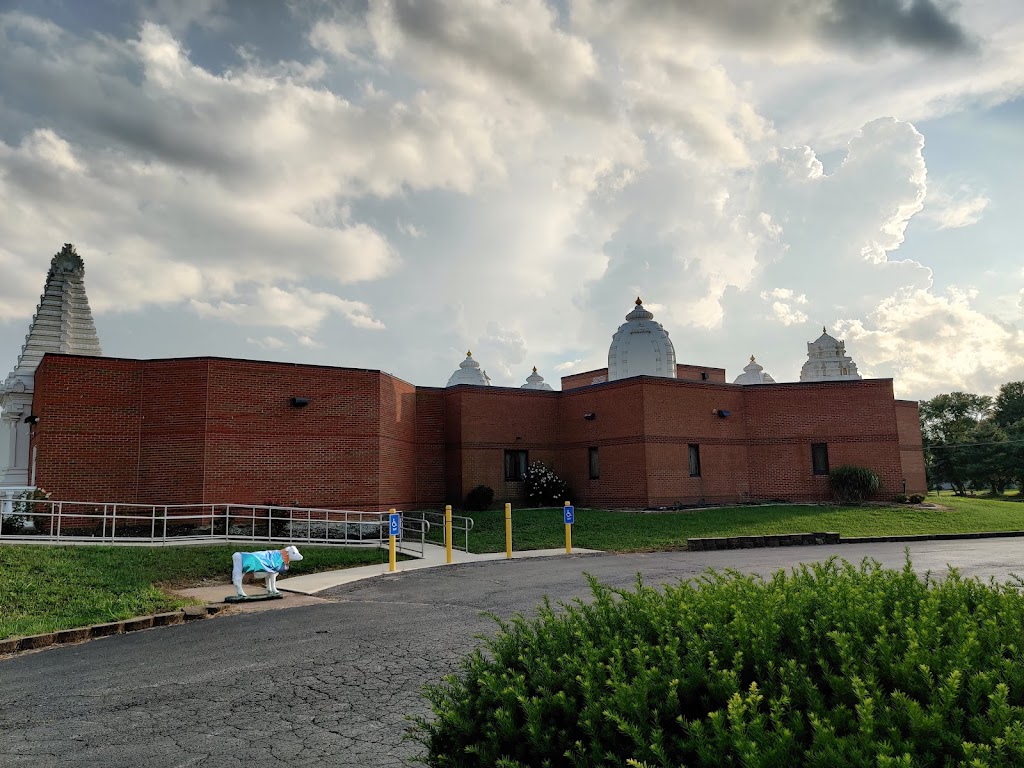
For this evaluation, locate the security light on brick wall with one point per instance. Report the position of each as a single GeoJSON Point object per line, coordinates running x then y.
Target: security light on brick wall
{"type": "Point", "coordinates": [300, 402]}
{"type": "Point", "coordinates": [590, 416]}
{"type": "Point", "coordinates": [722, 414]}
{"type": "Point", "coordinates": [31, 419]}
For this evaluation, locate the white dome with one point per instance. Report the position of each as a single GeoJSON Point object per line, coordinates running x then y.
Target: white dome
{"type": "Point", "coordinates": [469, 373]}
{"type": "Point", "coordinates": [536, 381]}
{"type": "Point", "coordinates": [827, 361]}
{"type": "Point", "coordinates": [641, 347]}
{"type": "Point", "coordinates": [753, 374]}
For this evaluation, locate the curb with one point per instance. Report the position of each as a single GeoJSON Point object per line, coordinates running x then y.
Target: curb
{"type": "Point", "coordinates": [80, 634]}
{"type": "Point", "coordinates": [809, 539]}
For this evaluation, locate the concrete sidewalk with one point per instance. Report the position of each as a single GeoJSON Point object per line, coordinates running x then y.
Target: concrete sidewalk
{"type": "Point", "coordinates": [433, 557]}
{"type": "Point", "coordinates": [303, 589]}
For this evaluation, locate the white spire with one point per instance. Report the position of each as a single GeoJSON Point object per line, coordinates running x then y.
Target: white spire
{"type": "Point", "coordinates": [827, 360]}
{"type": "Point", "coordinates": [469, 373]}
{"type": "Point", "coordinates": [641, 347]}
{"type": "Point", "coordinates": [536, 381]}
{"type": "Point", "coordinates": [62, 323]}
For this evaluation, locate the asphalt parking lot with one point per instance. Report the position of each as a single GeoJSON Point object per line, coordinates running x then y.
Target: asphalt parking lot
{"type": "Point", "coordinates": [333, 684]}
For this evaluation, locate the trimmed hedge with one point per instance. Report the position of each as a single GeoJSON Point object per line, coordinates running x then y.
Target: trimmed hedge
{"type": "Point", "coordinates": [830, 665]}
{"type": "Point", "coordinates": [479, 498]}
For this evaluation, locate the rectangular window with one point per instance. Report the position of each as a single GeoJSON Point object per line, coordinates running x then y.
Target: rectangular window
{"type": "Point", "coordinates": [694, 460]}
{"type": "Point", "coordinates": [595, 467]}
{"type": "Point", "coordinates": [515, 465]}
{"type": "Point", "coordinates": [819, 458]}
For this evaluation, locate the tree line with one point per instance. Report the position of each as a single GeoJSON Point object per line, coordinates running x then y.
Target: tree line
{"type": "Point", "coordinates": [975, 442]}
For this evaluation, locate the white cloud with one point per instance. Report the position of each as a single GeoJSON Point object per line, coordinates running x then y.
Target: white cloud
{"type": "Point", "coordinates": [952, 210]}
{"type": "Point", "coordinates": [297, 309]}
{"type": "Point", "coordinates": [267, 342]}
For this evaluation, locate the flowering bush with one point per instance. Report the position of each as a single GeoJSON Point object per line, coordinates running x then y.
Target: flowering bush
{"type": "Point", "coordinates": [21, 520]}
{"type": "Point", "coordinates": [543, 486]}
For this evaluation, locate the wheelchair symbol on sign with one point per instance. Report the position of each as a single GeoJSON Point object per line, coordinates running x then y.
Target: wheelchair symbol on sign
{"type": "Point", "coordinates": [569, 513]}
{"type": "Point", "coordinates": [394, 522]}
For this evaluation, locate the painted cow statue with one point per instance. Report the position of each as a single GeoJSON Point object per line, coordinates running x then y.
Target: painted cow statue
{"type": "Point", "coordinates": [267, 564]}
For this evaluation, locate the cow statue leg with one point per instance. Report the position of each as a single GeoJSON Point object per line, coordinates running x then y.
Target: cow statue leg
{"type": "Point", "coordinates": [236, 573]}
{"type": "Point", "coordinates": [272, 584]}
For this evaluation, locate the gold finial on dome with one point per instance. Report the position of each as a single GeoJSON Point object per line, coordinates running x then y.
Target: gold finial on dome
{"type": "Point", "coordinates": [752, 358]}
{"type": "Point", "coordinates": [824, 329]}
{"type": "Point", "coordinates": [469, 353]}
{"type": "Point", "coordinates": [535, 369]}
{"type": "Point", "coordinates": [638, 302]}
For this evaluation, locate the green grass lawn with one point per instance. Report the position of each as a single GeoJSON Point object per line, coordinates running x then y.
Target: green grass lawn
{"type": "Point", "coordinates": [46, 588]}
{"type": "Point", "coordinates": [645, 531]}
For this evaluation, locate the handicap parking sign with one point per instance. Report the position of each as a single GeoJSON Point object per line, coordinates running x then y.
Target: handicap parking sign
{"type": "Point", "coordinates": [569, 513]}
{"type": "Point", "coordinates": [394, 522]}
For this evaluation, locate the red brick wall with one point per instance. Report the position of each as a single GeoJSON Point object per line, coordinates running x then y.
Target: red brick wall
{"type": "Point", "coordinates": [87, 440]}
{"type": "Point", "coordinates": [494, 419]}
{"type": "Point", "coordinates": [584, 379]}
{"type": "Point", "coordinates": [696, 373]}
{"type": "Point", "coordinates": [224, 431]}
{"type": "Point", "coordinates": [856, 419]}
{"type": "Point", "coordinates": [398, 445]}
{"type": "Point", "coordinates": [431, 470]}
{"type": "Point", "coordinates": [683, 371]}
{"type": "Point", "coordinates": [172, 450]}
{"type": "Point", "coordinates": [259, 448]}
{"type": "Point", "coordinates": [908, 426]}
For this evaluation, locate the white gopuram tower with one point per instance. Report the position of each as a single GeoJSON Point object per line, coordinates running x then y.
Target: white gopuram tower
{"type": "Point", "coordinates": [536, 381]}
{"type": "Point", "coordinates": [827, 361]}
{"type": "Point", "coordinates": [469, 373]}
{"type": "Point", "coordinates": [641, 347]}
{"type": "Point", "coordinates": [62, 323]}
{"type": "Point", "coordinates": [753, 373]}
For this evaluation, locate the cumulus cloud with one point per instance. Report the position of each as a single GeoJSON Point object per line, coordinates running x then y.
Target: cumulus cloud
{"type": "Point", "coordinates": [952, 210]}
{"type": "Point", "coordinates": [298, 309]}
{"type": "Point", "coordinates": [853, 24]}
{"type": "Point", "coordinates": [926, 340]}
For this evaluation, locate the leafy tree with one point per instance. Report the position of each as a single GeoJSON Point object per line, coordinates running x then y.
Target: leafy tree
{"type": "Point", "coordinates": [1008, 407]}
{"type": "Point", "coordinates": [987, 463]}
{"type": "Point", "coordinates": [947, 422]}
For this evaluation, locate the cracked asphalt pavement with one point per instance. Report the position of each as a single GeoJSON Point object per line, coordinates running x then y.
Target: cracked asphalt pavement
{"type": "Point", "coordinates": [333, 684]}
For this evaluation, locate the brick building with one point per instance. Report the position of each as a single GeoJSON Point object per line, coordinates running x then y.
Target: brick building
{"type": "Point", "coordinates": [646, 431]}
{"type": "Point", "coordinates": [219, 430]}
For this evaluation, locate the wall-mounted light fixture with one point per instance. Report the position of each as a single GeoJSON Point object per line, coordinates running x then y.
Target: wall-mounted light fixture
{"type": "Point", "coordinates": [722, 414]}
{"type": "Point", "coordinates": [31, 419]}
{"type": "Point", "coordinates": [703, 375]}
{"type": "Point", "coordinates": [300, 402]}
{"type": "Point", "coordinates": [590, 416]}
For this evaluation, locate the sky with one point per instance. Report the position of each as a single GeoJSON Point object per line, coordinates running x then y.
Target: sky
{"type": "Point", "coordinates": [388, 184]}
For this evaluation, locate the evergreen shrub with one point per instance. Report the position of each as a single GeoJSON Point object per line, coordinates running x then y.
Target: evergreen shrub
{"type": "Point", "coordinates": [853, 484]}
{"type": "Point", "coordinates": [916, 498]}
{"type": "Point", "coordinates": [543, 486]}
{"type": "Point", "coordinates": [901, 498]}
{"type": "Point", "coordinates": [829, 665]}
{"type": "Point", "coordinates": [479, 498]}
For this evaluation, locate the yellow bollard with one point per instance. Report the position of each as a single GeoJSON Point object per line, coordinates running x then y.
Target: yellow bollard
{"type": "Point", "coordinates": [448, 533]}
{"type": "Point", "coordinates": [508, 531]}
{"type": "Point", "coordinates": [392, 556]}
{"type": "Point", "coordinates": [568, 534]}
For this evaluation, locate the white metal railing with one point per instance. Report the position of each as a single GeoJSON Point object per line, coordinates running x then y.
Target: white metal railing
{"type": "Point", "coordinates": [11, 495]}
{"type": "Point", "coordinates": [435, 527]}
{"type": "Point", "coordinates": [117, 523]}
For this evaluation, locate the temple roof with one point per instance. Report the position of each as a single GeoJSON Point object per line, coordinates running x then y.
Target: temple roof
{"type": "Point", "coordinates": [753, 373]}
{"type": "Point", "coordinates": [469, 373]}
{"type": "Point", "coordinates": [62, 322]}
{"type": "Point", "coordinates": [641, 347]}
{"type": "Point", "coordinates": [535, 381]}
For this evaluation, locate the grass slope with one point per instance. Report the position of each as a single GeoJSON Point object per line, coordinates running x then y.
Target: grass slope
{"type": "Point", "coordinates": [46, 588]}
{"type": "Point", "coordinates": [644, 531]}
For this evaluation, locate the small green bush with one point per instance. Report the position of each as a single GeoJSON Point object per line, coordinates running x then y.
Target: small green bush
{"type": "Point", "coordinates": [479, 498]}
{"type": "Point", "coordinates": [543, 487]}
{"type": "Point", "coordinates": [916, 498]}
{"type": "Point", "coordinates": [901, 498]}
{"type": "Point", "coordinates": [830, 665]}
{"type": "Point", "coordinates": [853, 484]}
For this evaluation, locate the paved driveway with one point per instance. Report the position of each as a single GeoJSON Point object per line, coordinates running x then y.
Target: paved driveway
{"type": "Point", "coordinates": [332, 684]}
